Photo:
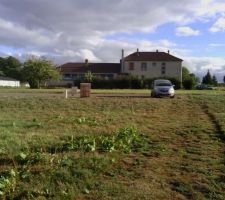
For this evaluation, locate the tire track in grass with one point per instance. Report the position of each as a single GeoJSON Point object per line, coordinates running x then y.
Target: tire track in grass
{"type": "Point", "coordinates": [217, 177]}
{"type": "Point", "coordinates": [220, 133]}
{"type": "Point", "coordinates": [218, 127]}
{"type": "Point", "coordinates": [199, 169]}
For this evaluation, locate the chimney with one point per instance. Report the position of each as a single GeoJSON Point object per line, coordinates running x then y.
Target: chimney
{"type": "Point", "coordinates": [168, 51]}
{"type": "Point", "coordinates": [157, 50]}
{"type": "Point", "coordinates": [138, 52]}
{"type": "Point", "coordinates": [86, 61]}
{"type": "Point", "coordinates": [122, 61]}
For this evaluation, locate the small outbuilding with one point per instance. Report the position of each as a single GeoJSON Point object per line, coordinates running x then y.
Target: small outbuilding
{"type": "Point", "coordinates": [9, 82]}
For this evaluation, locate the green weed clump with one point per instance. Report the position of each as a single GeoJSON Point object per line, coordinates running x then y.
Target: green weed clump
{"type": "Point", "coordinates": [125, 140]}
{"type": "Point", "coordinates": [8, 183]}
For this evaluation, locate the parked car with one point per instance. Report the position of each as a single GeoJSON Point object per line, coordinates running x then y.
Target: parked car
{"type": "Point", "coordinates": [161, 88]}
{"type": "Point", "coordinates": [203, 87]}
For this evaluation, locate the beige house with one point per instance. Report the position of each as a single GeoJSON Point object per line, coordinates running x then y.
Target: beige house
{"type": "Point", "coordinates": [152, 64]}
{"type": "Point", "coordinates": [141, 64]}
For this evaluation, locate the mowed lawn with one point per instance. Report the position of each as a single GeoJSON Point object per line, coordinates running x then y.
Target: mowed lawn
{"type": "Point", "coordinates": [113, 148]}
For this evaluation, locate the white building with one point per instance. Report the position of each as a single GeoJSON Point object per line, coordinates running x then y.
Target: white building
{"type": "Point", "coordinates": [9, 82]}
{"type": "Point", "coordinates": [152, 65]}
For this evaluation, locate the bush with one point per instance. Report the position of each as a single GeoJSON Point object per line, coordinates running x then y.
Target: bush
{"type": "Point", "coordinates": [188, 84]}
{"type": "Point", "coordinates": [136, 83]}
{"type": "Point", "coordinates": [122, 82]}
{"type": "Point", "coordinates": [147, 82]}
{"type": "Point", "coordinates": [175, 81]}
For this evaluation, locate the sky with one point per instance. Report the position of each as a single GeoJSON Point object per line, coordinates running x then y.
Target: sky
{"type": "Point", "coordinates": [97, 30]}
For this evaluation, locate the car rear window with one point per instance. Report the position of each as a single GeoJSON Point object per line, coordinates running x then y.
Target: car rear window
{"type": "Point", "coordinates": [163, 84]}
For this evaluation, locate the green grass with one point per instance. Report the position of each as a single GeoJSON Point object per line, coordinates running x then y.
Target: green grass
{"type": "Point", "coordinates": [28, 90]}
{"type": "Point", "coordinates": [219, 90]}
{"type": "Point", "coordinates": [113, 148]}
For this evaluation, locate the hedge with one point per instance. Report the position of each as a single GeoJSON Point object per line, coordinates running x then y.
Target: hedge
{"type": "Point", "coordinates": [127, 82]}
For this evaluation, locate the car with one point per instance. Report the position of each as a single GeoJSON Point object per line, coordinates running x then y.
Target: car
{"type": "Point", "coordinates": [162, 88]}
{"type": "Point", "coordinates": [203, 87]}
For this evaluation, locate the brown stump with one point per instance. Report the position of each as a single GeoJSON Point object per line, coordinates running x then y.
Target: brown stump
{"type": "Point", "coordinates": [85, 89]}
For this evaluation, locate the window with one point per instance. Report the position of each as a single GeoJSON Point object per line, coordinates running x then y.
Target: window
{"type": "Point", "coordinates": [131, 66]}
{"type": "Point", "coordinates": [154, 64]}
{"type": "Point", "coordinates": [163, 70]}
{"type": "Point", "coordinates": [143, 66]}
{"type": "Point", "coordinates": [74, 76]}
{"type": "Point", "coordinates": [67, 76]}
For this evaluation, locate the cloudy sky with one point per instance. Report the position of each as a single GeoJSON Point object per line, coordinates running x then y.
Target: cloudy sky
{"type": "Point", "coordinates": [72, 30]}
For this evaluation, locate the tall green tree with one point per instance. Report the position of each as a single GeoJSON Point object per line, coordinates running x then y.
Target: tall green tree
{"type": "Point", "coordinates": [185, 73]}
{"type": "Point", "coordinates": [224, 79]}
{"type": "Point", "coordinates": [37, 71]}
{"type": "Point", "coordinates": [207, 79]}
{"type": "Point", "coordinates": [10, 67]}
{"type": "Point", "coordinates": [214, 80]}
{"type": "Point", "coordinates": [189, 80]}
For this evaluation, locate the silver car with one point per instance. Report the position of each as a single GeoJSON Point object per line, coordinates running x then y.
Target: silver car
{"type": "Point", "coordinates": [161, 88]}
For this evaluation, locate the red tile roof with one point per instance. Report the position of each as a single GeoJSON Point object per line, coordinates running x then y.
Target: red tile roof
{"type": "Point", "coordinates": [151, 56]}
{"type": "Point", "coordinates": [93, 67]}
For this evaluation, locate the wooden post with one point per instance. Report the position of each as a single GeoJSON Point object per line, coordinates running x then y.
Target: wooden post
{"type": "Point", "coordinates": [66, 94]}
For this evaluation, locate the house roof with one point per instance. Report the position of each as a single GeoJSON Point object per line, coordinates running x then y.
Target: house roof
{"type": "Point", "coordinates": [92, 67]}
{"type": "Point", "coordinates": [151, 56]}
{"type": "Point", "coordinates": [4, 78]}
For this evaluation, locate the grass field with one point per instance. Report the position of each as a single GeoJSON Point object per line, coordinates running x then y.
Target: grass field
{"type": "Point", "coordinates": [113, 148]}
{"type": "Point", "coordinates": [219, 90]}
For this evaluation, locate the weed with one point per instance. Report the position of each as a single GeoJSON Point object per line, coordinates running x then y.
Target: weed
{"type": "Point", "coordinates": [125, 140]}
{"type": "Point", "coordinates": [8, 183]}
{"type": "Point", "coordinates": [65, 162]}
{"type": "Point", "coordinates": [89, 121]}
{"type": "Point", "coordinates": [183, 188]}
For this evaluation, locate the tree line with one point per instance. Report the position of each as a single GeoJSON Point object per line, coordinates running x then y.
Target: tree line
{"type": "Point", "coordinates": [190, 79]}
{"type": "Point", "coordinates": [34, 70]}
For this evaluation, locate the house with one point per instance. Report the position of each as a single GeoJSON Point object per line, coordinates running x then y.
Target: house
{"type": "Point", "coordinates": [141, 64]}
{"type": "Point", "coordinates": [9, 82]}
{"type": "Point", "coordinates": [152, 64]}
{"type": "Point", "coordinates": [73, 71]}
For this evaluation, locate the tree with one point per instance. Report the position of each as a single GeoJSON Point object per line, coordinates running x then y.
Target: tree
{"type": "Point", "coordinates": [10, 67]}
{"type": "Point", "coordinates": [214, 80]}
{"type": "Point", "coordinates": [189, 80]}
{"type": "Point", "coordinates": [224, 79]}
{"type": "Point", "coordinates": [207, 79]}
{"type": "Point", "coordinates": [89, 77]}
{"type": "Point", "coordinates": [36, 71]}
{"type": "Point", "coordinates": [185, 73]}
